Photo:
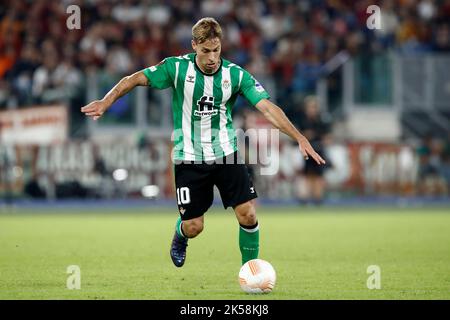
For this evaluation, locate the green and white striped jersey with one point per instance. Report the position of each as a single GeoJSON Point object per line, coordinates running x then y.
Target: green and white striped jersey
{"type": "Point", "coordinates": [202, 104]}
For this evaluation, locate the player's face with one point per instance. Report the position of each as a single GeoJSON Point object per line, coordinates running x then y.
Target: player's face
{"type": "Point", "coordinates": [208, 54]}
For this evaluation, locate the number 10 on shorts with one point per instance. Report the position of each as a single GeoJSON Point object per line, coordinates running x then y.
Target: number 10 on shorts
{"type": "Point", "coordinates": [183, 195]}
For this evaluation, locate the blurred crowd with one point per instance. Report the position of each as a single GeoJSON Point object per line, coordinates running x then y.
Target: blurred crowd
{"type": "Point", "coordinates": [283, 43]}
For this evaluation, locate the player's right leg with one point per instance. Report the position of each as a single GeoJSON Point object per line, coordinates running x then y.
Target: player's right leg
{"type": "Point", "coordinates": [183, 231]}
{"type": "Point", "coordinates": [195, 193]}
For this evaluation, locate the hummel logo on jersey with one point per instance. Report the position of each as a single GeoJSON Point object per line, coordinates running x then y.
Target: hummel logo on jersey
{"type": "Point", "coordinates": [252, 190]}
{"type": "Point", "coordinates": [182, 210]}
{"type": "Point", "coordinates": [205, 107]}
{"type": "Point", "coordinates": [191, 79]}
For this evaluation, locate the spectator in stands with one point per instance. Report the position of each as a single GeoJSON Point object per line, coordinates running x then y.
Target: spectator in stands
{"type": "Point", "coordinates": [430, 180]}
{"type": "Point", "coordinates": [44, 81]}
{"type": "Point", "coordinates": [6, 175]}
{"type": "Point", "coordinates": [316, 129]}
{"type": "Point", "coordinates": [445, 168]}
{"type": "Point", "coordinates": [21, 75]}
{"type": "Point", "coordinates": [67, 77]}
{"type": "Point", "coordinates": [93, 45]}
{"type": "Point", "coordinates": [441, 38]}
{"type": "Point", "coordinates": [390, 22]}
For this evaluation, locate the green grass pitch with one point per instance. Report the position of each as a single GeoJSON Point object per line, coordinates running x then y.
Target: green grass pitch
{"type": "Point", "coordinates": [317, 253]}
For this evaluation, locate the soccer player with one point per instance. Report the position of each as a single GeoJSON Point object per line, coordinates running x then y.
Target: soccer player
{"type": "Point", "coordinates": [204, 89]}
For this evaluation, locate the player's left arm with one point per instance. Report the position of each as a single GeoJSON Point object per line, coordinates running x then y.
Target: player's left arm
{"type": "Point", "coordinates": [278, 118]}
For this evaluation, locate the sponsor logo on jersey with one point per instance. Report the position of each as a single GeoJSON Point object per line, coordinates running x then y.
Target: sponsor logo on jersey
{"type": "Point", "coordinates": [205, 107]}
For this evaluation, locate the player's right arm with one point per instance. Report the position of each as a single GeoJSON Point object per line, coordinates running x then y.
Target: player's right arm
{"type": "Point", "coordinates": [96, 108]}
{"type": "Point", "coordinates": [256, 95]}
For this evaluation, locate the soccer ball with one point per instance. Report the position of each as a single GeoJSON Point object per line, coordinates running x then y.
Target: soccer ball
{"type": "Point", "coordinates": [257, 276]}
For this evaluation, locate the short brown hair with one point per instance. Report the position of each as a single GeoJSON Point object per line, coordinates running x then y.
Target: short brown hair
{"type": "Point", "coordinates": [206, 29]}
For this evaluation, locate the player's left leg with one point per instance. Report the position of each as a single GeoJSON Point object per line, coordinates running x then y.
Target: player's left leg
{"type": "Point", "coordinates": [237, 191]}
{"type": "Point", "coordinates": [248, 230]}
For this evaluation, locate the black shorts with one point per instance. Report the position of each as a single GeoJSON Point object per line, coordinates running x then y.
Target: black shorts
{"type": "Point", "coordinates": [195, 185]}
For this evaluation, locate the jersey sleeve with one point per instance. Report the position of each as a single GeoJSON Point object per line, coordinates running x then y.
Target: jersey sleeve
{"type": "Point", "coordinates": [160, 76]}
{"type": "Point", "coordinates": [251, 89]}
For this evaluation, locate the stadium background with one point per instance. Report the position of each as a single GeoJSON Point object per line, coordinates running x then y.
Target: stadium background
{"type": "Point", "coordinates": [385, 94]}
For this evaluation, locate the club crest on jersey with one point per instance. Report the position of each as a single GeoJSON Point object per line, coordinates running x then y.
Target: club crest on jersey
{"type": "Point", "coordinates": [205, 107]}
{"type": "Point", "coordinates": [226, 84]}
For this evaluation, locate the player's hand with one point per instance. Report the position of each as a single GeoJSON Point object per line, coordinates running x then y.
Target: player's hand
{"type": "Point", "coordinates": [95, 109]}
{"type": "Point", "coordinates": [307, 150]}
